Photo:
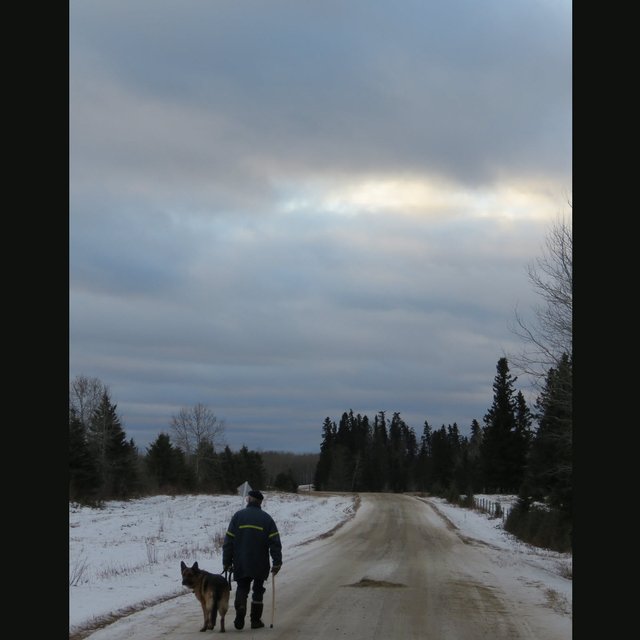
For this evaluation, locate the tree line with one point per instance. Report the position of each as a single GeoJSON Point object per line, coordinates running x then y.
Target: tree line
{"type": "Point", "coordinates": [104, 465]}
{"type": "Point", "coordinates": [503, 456]}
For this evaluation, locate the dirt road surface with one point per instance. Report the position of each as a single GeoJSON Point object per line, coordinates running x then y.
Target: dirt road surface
{"type": "Point", "coordinates": [398, 570]}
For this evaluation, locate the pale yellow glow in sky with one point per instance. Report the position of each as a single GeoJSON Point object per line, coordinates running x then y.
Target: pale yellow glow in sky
{"type": "Point", "coordinates": [426, 197]}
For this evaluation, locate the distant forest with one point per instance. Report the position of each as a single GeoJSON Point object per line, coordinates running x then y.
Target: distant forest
{"type": "Point", "coordinates": [504, 455]}
{"type": "Point", "coordinates": [188, 458]}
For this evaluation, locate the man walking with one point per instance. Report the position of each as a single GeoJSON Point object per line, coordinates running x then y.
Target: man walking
{"type": "Point", "coordinates": [251, 538]}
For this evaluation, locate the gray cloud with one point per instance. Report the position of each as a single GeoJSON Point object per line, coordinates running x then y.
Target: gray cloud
{"type": "Point", "coordinates": [287, 211]}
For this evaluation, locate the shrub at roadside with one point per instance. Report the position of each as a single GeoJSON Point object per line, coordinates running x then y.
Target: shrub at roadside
{"type": "Point", "coordinates": [540, 526]}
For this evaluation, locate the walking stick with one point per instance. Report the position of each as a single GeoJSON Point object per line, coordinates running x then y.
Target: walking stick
{"type": "Point", "coordinates": [273, 597]}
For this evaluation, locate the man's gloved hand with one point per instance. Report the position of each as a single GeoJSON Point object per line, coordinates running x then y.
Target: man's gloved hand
{"type": "Point", "coordinates": [227, 567]}
{"type": "Point", "coordinates": [276, 568]}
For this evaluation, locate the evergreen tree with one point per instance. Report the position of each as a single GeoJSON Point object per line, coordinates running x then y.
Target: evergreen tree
{"type": "Point", "coordinates": [84, 481]}
{"type": "Point", "coordinates": [124, 465]}
{"type": "Point", "coordinates": [499, 444]}
{"type": "Point", "coordinates": [343, 455]}
{"type": "Point", "coordinates": [361, 433]}
{"type": "Point", "coordinates": [411, 455]}
{"type": "Point", "coordinates": [341, 474]}
{"type": "Point", "coordinates": [344, 435]}
{"type": "Point", "coordinates": [323, 468]}
{"type": "Point", "coordinates": [167, 466]}
{"type": "Point", "coordinates": [549, 474]}
{"type": "Point", "coordinates": [474, 457]}
{"type": "Point", "coordinates": [402, 454]}
{"type": "Point", "coordinates": [251, 468]}
{"type": "Point", "coordinates": [380, 453]}
{"type": "Point", "coordinates": [522, 439]}
{"type": "Point", "coordinates": [230, 472]}
{"type": "Point", "coordinates": [362, 451]}
{"type": "Point", "coordinates": [210, 468]}
{"type": "Point", "coordinates": [461, 483]}
{"type": "Point", "coordinates": [116, 457]}
{"type": "Point", "coordinates": [453, 435]}
{"type": "Point", "coordinates": [424, 472]}
{"type": "Point", "coordinates": [460, 458]}
{"type": "Point", "coordinates": [286, 482]}
{"type": "Point", "coordinates": [397, 470]}
{"type": "Point", "coordinates": [160, 461]}
{"type": "Point", "coordinates": [443, 462]}
{"type": "Point", "coordinates": [186, 477]}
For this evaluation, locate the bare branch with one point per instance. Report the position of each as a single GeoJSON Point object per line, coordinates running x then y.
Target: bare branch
{"type": "Point", "coordinates": [194, 427]}
{"type": "Point", "coordinates": [85, 395]}
{"type": "Point", "coordinates": [550, 334]}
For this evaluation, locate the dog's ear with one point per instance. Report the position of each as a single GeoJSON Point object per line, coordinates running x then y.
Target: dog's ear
{"type": "Point", "coordinates": [183, 566]}
{"type": "Point", "coordinates": [195, 566]}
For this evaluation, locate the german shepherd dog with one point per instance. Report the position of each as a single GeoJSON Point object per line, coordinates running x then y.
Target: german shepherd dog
{"type": "Point", "coordinates": [212, 591]}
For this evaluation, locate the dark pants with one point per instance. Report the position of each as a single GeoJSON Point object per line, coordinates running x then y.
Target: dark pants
{"type": "Point", "coordinates": [245, 585]}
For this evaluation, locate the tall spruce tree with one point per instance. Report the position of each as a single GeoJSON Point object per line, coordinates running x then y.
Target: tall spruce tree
{"type": "Point", "coordinates": [443, 461]}
{"type": "Point", "coordinates": [167, 466]}
{"type": "Point", "coordinates": [210, 468]}
{"type": "Point", "coordinates": [84, 481]}
{"type": "Point", "coordinates": [411, 455]}
{"type": "Point", "coordinates": [475, 460]}
{"type": "Point", "coordinates": [159, 461]}
{"type": "Point", "coordinates": [549, 474]}
{"type": "Point", "coordinates": [362, 450]}
{"type": "Point", "coordinates": [522, 439]}
{"type": "Point", "coordinates": [230, 471]}
{"type": "Point", "coordinates": [343, 454]}
{"type": "Point", "coordinates": [402, 454]}
{"type": "Point", "coordinates": [397, 468]}
{"type": "Point", "coordinates": [116, 457]}
{"type": "Point", "coordinates": [323, 467]}
{"type": "Point", "coordinates": [458, 448]}
{"type": "Point", "coordinates": [500, 444]}
{"type": "Point", "coordinates": [380, 453]}
{"type": "Point", "coordinates": [424, 466]}
{"type": "Point", "coordinates": [251, 467]}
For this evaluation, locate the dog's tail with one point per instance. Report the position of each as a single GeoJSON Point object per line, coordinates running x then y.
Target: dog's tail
{"type": "Point", "coordinates": [215, 605]}
{"type": "Point", "coordinates": [214, 611]}
{"type": "Point", "coordinates": [221, 600]}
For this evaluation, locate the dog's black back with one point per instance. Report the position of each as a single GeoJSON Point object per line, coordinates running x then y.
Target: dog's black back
{"type": "Point", "coordinates": [212, 591]}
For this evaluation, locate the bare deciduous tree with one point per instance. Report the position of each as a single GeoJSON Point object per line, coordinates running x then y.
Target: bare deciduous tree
{"type": "Point", "coordinates": [85, 394]}
{"type": "Point", "coordinates": [195, 426]}
{"type": "Point", "coordinates": [550, 334]}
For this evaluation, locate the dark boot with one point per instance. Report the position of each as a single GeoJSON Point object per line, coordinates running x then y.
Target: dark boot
{"type": "Point", "coordinates": [256, 614]}
{"type": "Point", "coordinates": [240, 605]}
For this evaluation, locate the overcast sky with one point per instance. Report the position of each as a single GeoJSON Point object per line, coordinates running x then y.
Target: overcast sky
{"type": "Point", "coordinates": [284, 210]}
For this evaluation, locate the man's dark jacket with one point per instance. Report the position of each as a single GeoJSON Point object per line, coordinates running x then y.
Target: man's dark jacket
{"type": "Point", "coordinates": [252, 536]}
